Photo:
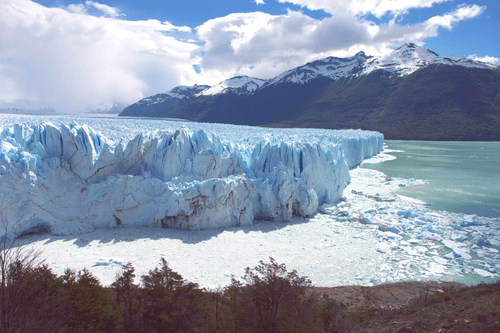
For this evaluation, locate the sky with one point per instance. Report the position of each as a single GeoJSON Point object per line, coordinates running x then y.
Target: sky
{"type": "Point", "coordinates": [77, 55]}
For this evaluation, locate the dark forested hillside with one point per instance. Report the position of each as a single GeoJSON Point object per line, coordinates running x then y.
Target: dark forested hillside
{"type": "Point", "coordinates": [435, 102]}
{"type": "Point", "coordinates": [275, 103]}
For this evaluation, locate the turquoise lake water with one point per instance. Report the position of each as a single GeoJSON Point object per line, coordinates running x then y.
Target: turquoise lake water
{"type": "Point", "coordinates": [462, 177]}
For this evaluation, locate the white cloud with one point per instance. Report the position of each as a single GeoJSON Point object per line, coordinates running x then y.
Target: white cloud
{"type": "Point", "coordinates": [77, 8]}
{"type": "Point", "coordinates": [259, 2]}
{"type": "Point", "coordinates": [238, 41]}
{"type": "Point", "coordinates": [376, 7]}
{"type": "Point", "coordinates": [75, 61]}
{"type": "Point", "coordinates": [105, 9]}
{"type": "Point", "coordinates": [488, 59]}
{"type": "Point", "coordinates": [271, 44]}
{"type": "Point", "coordinates": [463, 12]}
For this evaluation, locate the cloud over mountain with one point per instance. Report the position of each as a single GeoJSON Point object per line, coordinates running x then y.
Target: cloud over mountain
{"type": "Point", "coordinates": [89, 53]}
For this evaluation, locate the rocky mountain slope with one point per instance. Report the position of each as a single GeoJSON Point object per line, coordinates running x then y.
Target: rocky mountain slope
{"type": "Point", "coordinates": [411, 94]}
{"type": "Point", "coordinates": [160, 105]}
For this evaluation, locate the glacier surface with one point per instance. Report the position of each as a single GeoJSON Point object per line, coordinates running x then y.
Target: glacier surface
{"type": "Point", "coordinates": [74, 175]}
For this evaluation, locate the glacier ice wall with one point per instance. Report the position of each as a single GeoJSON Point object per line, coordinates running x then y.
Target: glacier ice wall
{"type": "Point", "coordinates": [69, 178]}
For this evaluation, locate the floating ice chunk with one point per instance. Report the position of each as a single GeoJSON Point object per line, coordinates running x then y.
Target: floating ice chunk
{"type": "Point", "coordinates": [437, 268]}
{"type": "Point", "coordinates": [493, 242]}
{"type": "Point", "coordinates": [450, 256]}
{"type": "Point", "coordinates": [382, 247]}
{"type": "Point", "coordinates": [421, 249]}
{"type": "Point", "coordinates": [389, 236]}
{"type": "Point", "coordinates": [435, 215]}
{"type": "Point", "coordinates": [411, 251]}
{"type": "Point", "coordinates": [397, 228]}
{"type": "Point", "coordinates": [451, 244]}
{"type": "Point", "coordinates": [490, 269]}
{"type": "Point", "coordinates": [479, 241]}
{"type": "Point", "coordinates": [459, 249]}
{"type": "Point", "coordinates": [386, 268]}
{"type": "Point", "coordinates": [480, 253]}
{"type": "Point", "coordinates": [470, 220]}
{"type": "Point", "coordinates": [462, 252]}
{"type": "Point", "coordinates": [429, 228]}
{"type": "Point", "coordinates": [431, 236]}
{"type": "Point", "coordinates": [417, 222]}
{"type": "Point", "coordinates": [371, 220]}
{"type": "Point", "coordinates": [442, 261]}
{"type": "Point", "coordinates": [408, 213]}
{"type": "Point", "coordinates": [482, 272]}
{"type": "Point", "coordinates": [458, 236]}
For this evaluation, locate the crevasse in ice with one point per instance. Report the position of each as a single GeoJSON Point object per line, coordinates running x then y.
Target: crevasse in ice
{"type": "Point", "coordinates": [69, 179]}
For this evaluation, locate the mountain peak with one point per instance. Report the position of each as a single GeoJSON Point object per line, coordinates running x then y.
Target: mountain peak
{"type": "Point", "coordinates": [405, 60]}
{"type": "Point", "coordinates": [330, 67]}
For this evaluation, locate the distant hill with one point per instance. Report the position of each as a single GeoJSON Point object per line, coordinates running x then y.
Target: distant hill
{"type": "Point", "coordinates": [411, 94]}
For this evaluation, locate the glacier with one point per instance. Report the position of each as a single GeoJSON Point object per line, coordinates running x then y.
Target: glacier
{"type": "Point", "coordinates": [72, 175]}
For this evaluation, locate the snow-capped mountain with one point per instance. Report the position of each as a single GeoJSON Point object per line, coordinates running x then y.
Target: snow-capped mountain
{"type": "Point", "coordinates": [394, 94]}
{"type": "Point", "coordinates": [410, 57]}
{"type": "Point", "coordinates": [403, 61]}
{"type": "Point", "coordinates": [157, 105]}
{"type": "Point", "coordinates": [177, 93]}
{"type": "Point", "coordinates": [239, 85]}
{"type": "Point", "coordinates": [331, 67]}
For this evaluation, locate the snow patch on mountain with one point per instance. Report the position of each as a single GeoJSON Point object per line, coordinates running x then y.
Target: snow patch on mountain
{"type": "Point", "coordinates": [177, 93]}
{"type": "Point", "coordinates": [331, 67]}
{"type": "Point", "coordinates": [239, 85]}
{"type": "Point", "coordinates": [410, 57]}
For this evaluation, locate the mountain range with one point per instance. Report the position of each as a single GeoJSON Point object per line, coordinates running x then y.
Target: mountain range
{"type": "Point", "coordinates": [409, 94]}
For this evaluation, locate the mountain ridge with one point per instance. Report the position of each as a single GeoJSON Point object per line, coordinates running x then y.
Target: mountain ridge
{"type": "Point", "coordinates": [411, 93]}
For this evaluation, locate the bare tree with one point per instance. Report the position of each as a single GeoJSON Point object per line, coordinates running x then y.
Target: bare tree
{"type": "Point", "coordinates": [24, 286]}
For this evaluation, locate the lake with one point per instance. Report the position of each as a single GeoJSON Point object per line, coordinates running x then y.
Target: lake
{"type": "Point", "coordinates": [462, 177]}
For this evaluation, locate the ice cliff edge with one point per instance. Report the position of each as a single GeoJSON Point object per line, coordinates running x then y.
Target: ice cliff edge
{"type": "Point", "coordinates": [70, 179]}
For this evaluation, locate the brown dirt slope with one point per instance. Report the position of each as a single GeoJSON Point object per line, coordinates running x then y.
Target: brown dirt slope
{"type": "Point", "coordinates": [416, 307]}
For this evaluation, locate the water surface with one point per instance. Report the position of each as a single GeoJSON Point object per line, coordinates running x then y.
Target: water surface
{"type": "Point", "coordinates": [462, 177]}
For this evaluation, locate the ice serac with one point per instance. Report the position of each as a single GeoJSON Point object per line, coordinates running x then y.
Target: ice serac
{"type": "Point", "coordinates": [70, 179]}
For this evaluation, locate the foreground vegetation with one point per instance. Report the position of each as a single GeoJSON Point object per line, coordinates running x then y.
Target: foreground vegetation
{"type": "Point", "coordinates": [269, 298]}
